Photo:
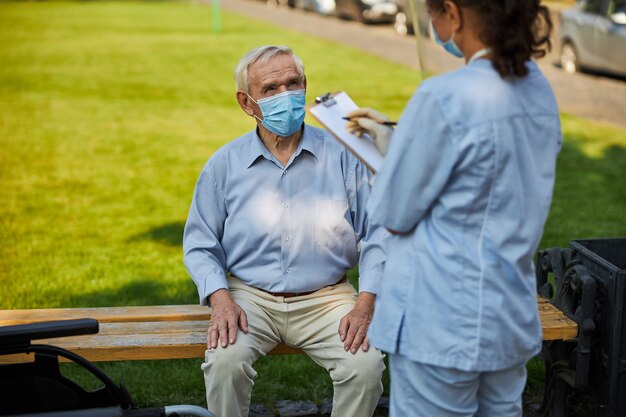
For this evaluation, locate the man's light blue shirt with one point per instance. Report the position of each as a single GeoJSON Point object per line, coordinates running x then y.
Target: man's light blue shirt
{"type": "Point", "coordinates": [468, 179]}
{"type": "Point", "coordinates": [291, 228]}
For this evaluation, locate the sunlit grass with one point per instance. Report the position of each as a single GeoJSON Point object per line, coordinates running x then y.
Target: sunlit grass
{"type": "Point", "coordinates": [594, 140]}
{"type": "Point", "coordinates": [589, 197]}
{"type": "Point", "coordinates": [108, 112]}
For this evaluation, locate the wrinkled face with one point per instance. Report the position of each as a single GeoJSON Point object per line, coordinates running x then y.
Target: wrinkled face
{"type": "Point", "coordinates": [278, 75]}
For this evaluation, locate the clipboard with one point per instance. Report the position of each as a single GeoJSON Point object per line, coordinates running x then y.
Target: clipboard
{"type": "Point", "coordinates": [329, 109]}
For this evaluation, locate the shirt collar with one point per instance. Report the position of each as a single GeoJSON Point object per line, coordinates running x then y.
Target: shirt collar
{"type": "Point", "coordinates": [257, 149]}
{"type": "Point", "coordinates": [309, 142]}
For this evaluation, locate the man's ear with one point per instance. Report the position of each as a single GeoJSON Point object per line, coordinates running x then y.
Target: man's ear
{"type": "Point", "coordinates": [245, 103]}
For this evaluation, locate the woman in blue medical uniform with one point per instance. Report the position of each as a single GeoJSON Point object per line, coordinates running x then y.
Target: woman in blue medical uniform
{"type": "Point", "coordinates": [465, 188]}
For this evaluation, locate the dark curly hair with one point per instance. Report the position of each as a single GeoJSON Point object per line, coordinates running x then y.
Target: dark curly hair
{"type": "Point", "coordinates": [515, 30]}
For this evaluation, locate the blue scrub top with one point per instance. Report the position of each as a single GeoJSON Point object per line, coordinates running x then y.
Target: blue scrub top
{"type": "Point", "coordinates": [468, 179]}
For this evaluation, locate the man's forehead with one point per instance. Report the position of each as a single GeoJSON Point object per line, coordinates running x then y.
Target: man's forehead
{"type": "Point", "coordinates": [279, 66]}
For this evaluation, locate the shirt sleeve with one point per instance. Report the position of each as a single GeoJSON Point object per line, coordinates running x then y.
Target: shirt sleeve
{"type": "Point", "coordinates": [417, 167]}
{"type": "Point", "coordinates": [372, 239]}
{"type": "Point", "coordinates": [204, 255]}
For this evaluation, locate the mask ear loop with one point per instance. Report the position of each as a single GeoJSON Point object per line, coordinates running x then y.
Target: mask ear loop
{"type": "Point", "coordinates": [255, 102]}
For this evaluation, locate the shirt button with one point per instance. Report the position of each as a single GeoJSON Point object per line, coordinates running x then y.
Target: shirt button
{"type": "Point", "coordinates": [287, 270]}
{"type": "Point", "coordinates": [287, 239]}
{"type": "Point", "coordinates": [285, 205]}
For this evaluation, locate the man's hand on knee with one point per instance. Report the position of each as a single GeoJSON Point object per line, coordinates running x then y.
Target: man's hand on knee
{"type": "Point", "coordinates": [353, 326]}
{"type": "Point", "coordinates": [226, 319]}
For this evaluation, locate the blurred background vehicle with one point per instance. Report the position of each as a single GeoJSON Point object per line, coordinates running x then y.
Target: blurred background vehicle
{"type": "Point", "coordinates": [366, 11]}
{"type": "Point", "coordinates": [325, 7]}
{"type": "Point", "coordinates": [592, 35]}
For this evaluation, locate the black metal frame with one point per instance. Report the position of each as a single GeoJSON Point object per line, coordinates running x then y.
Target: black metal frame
{"type": "Point", "coordinates": [37, 389]}
{"type": "Point", "coordinates": [590, 290]}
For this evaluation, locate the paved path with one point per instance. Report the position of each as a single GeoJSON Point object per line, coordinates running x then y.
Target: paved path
{"type": "Point", "coordinates": [593, 97]}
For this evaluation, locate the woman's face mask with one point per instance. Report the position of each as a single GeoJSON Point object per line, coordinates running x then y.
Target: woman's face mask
{"type": "Point", "coordinates": [449, 45]}
{"type": "Point", "coordinates": [283, 113]}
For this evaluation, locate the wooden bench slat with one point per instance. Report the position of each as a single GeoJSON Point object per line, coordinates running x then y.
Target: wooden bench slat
{"type": "Point", "coordinates": [183, 312]}
{"type": "Point", "coordinates": [155, 327]}
{"type": "Point", "coordinates": [554, 323]}
{"type": "Point", "coordinates": [541, 299]}
{"type": "Point", "coordinates": [113, 346]}
{"type": "Point", "coordinates": [179, 332]}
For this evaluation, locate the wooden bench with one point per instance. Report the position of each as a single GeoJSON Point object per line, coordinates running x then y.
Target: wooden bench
{"type": "Point", "coordinates": [178, 331]}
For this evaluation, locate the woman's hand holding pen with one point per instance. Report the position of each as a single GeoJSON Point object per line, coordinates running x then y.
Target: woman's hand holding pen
{"type": "Point", "coordinates": [376, 124]}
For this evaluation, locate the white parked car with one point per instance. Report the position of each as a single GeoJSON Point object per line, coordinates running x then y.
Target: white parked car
{"type": "Point", "coordinates": [325, 7]}
{"type": "Point", "coordinates": [367, 11]}
{"type": "Point", "coordinates": [593, 36]}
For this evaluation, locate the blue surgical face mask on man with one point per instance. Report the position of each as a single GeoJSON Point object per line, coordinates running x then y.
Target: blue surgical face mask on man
{"type": "Point", "coordinates": [283, 113]}
{"type": "Point", "coordinates": [449, 45]}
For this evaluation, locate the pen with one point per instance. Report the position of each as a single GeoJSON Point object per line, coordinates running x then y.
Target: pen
{"type": "Point", "coordinates": [383, 123]}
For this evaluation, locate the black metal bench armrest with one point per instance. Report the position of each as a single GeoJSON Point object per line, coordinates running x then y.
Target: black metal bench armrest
{"type": "Point", "coordinates": [23, 334]}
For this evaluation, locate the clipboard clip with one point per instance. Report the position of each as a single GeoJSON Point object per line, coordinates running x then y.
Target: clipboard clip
{"type": "Point", "coordinates": [326, 99]}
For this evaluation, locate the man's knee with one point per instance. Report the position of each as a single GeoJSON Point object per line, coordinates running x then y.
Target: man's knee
{"type": "Point", "coordinates": [229, 361]}
{"type": "Point", "coordinates": [365, 368]}
{"type": "Point", "coordinates": [228, 377]}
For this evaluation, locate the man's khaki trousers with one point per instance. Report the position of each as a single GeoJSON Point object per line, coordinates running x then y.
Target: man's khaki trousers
{"type": "Point", "coordinates": [308, 322]}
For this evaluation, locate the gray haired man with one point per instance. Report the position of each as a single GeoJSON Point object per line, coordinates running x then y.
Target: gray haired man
{"type": "Point", "coordinates": [277, 218]}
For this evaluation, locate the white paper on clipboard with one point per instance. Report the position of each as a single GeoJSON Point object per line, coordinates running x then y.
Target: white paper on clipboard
{"type": "Point", "coordinates": [329, 111]}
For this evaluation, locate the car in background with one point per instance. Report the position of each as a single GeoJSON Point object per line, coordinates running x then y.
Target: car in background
{"type": "Point", "coordinates": [366, 11]}
{"type": "Point", "coordinates": [593, 36]}
{"type": "Point", "coordinates": [325, 7]}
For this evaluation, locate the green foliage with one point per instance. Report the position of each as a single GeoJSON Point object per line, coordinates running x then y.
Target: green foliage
{"type": "Point", "coordinates": [108, 111]}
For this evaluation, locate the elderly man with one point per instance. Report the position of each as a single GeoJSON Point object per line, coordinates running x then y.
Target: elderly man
{"type": "Point", "coordinates": [277, 219]}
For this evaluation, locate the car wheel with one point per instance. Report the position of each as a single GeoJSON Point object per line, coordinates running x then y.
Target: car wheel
{"type": "Point", "coordinates": [569, 58]}
{"type": "Point", "coordinates": [400, 23]}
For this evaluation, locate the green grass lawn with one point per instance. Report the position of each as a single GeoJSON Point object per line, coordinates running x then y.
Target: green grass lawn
{"type": "Point", "coordinates": [108, 111]}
